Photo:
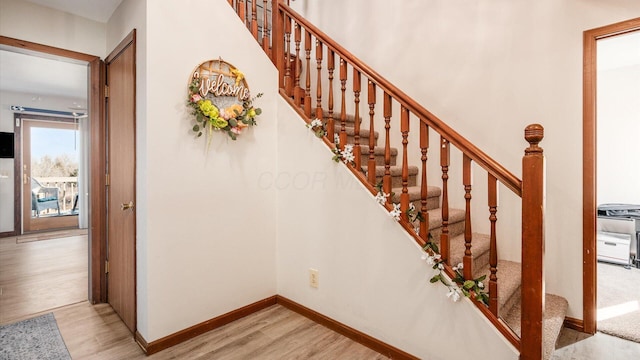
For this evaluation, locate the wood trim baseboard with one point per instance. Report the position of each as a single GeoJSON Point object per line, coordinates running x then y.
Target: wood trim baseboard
{"type": "Point", "coordinates": [574, 324]}
{"type": "Point", "coordinates": [8, 234]}
{"type": "Point", "coordinates": [199, 329]}
{"type": "Point", "coordinates": [353, 334]}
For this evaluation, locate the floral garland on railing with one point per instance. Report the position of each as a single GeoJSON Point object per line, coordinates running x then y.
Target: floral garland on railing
{"type": "Point", "coordinates": [457, 286]}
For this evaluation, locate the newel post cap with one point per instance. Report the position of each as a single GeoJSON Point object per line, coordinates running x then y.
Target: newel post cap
{"type": "Point", "coordinates": [534, 133]}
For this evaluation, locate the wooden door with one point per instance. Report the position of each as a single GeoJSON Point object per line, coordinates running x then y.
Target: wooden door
{"type": "Point", "coordinates": [121, 215]}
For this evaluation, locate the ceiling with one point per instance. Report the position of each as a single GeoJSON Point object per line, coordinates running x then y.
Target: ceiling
{"type": "Point", "coordinates": [27, 72]}
{"type": "Point", "coordinates": [98, 10]}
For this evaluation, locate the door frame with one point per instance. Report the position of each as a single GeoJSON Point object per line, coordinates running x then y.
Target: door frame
{"type": "Point", "coordinates": [589, 165]}
{"type": "Point", "coordinates": [97, 242]}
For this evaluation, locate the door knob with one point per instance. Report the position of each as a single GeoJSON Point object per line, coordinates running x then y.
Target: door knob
{"type": "Point", "coordinates": [127, 206]}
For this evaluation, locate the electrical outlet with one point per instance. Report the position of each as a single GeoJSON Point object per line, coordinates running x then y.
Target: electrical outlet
{"type": "Point", "coordinates": [313, 278]}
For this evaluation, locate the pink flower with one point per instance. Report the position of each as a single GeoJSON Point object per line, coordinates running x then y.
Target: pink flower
{"type": "Point", "coordinates": [195, 98]}
{"type": "Point", "coordinates": [236, 130]}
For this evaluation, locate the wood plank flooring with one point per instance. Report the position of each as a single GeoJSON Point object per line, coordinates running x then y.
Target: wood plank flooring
{"type": "Point", "coordinates": [96, 332]}
{"type": "Point", "coordinates": [39, 275]}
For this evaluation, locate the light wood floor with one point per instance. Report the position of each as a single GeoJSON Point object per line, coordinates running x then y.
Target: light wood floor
{"type": "Point", "coordinates": [96, 332]}
{"type": "Point", "coordinates": [38, 276]}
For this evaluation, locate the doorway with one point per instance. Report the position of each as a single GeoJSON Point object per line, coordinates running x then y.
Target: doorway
{"type": "Point", "coordinates": [591, 153]}
{"type": "Point", "coordinates": [94, 76]}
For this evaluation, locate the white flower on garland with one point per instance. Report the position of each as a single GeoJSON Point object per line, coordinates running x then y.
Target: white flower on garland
{"type": "Point", "coordinates": [336, 139]}
{"type": "Point", "coordinates": [433, 259]}
{"type": "Point", "coordinates": [412, 207]}
{"type": "Point", "coordinates": [480, 285]}
{"type": "Point", "coordinates": [381, 198]}
{"type": "Point", "coordinates": [347, 154]}
{"type": "Point", "coordinates": [395, 213]}
{"type": "Point", "coordinates": [316, 123]}
{"type": "Point", "coordinates": [458, 267]}
{"type": "Point", "coordinates": [454, 294]}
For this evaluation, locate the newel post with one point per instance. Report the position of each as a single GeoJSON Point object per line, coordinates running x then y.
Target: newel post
{"type": "Point", "coordinates": [533, 207]}
{"type": "Point", "coordinates": [277, 40]}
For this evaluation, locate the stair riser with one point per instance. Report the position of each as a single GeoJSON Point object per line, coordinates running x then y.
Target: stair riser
{"type": "Point", "coordinates": [513, 300]}
{"type": "Point", "coordinates": [432, 203]}
{"type": "Point", "coordinates": [454, 229]}
{"type": "Point", "coordinates": [396, 181]}
{"type": "Point", "coordinates": [379, 159]}
{"type": "Point", "coordinates": [364, 140]}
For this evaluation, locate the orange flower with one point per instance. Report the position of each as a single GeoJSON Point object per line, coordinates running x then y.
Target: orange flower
{"type": "Point", "coordinates": [233, 111]}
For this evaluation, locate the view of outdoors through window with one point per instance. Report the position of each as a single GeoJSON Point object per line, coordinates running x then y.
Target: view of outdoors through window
{"type": "Point", "coordinates": [54, 165]}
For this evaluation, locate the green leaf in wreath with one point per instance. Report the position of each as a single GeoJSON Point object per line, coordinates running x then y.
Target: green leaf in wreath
{"type": "Point", "coordinates": [435, 279]}
{"type": "Point", "coordinates": [469, 284]}
{"type": "Point", "coordinates": [233, 122]}
{"type": "Point", "coordinates": [481, 278]}
{"type": "Point", "coordinates": [200, 134]}
{"type": "Point", "coordinates": [258, 111]}
{"type": "Point", "coordinates": [196, 128]}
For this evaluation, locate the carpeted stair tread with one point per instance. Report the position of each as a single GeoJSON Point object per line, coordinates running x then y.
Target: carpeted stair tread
{"type": "Point", "coordinates": [509, 279]}
{"type": "Point", "coordinates": [378, 150]}
{"type": "Point", "coordinates": [396, 170]}
{"type": "Point", "coordinates": [378, 153]}
{"type": "Point", "coordinates": [336, 116]}
{"type": "Point", "coordinates": [351, 132]}
{"type": "Point", "coordinates": [555, 310]}
{"type": "Point", "coordinates": [479, 247]}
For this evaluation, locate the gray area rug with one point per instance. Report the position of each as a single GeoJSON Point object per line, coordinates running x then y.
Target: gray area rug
{"type": "Point", "coordinates": [36, 338]}
{"type": "Point", "coordinates": [619, 301]}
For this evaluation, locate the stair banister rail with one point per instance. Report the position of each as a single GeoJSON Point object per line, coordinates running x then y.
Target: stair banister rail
{"type": "Point", "coordinates": [531, 189]}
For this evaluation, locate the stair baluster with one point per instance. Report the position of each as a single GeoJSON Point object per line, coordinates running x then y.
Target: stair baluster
{"type": "Point", "coordinates": [466, 180]}
{"type": "Point", "coordinates": [357, 152]}
{"type": "Point", "coordinates": [343, 105]}
{"type": "Point", "coordinates": [254, 19]}
{"type": "Point", "coordinates": [424, 147]}
{"type": "Point", "coordinates": [493, 250]}
{"type": "Point", "coordinates": [265, 28]}
{"type": "Point", "coordinates": [404, 129]}
{"type": "Point", "coordinates": [386, 179]}
{"type": "Point", "coordinates": [445, 160]}
{"type": "Point", "coordinates": [319, 114]}
{"type": "Point", "coordinates": [307, 90]}
{"type": "Point", "coordinates": [371, 166]}
{"type": "Point", "coordinates": [288, 80]}
{"type": "Point", "coordinates": [331, 65]}
{"type": "Point", "coordinates": [242, 11]}
{"type": "Point", "coordinates": [297, 90]}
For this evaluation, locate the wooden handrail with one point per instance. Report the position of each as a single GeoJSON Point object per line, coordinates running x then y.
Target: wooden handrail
{"type": "Point", "coordinates": [478, 156]}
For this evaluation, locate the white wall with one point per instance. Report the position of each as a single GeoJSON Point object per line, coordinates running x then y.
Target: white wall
{"type": "Point", "coordinates": [489, 68]}
{"type": "Point", "coordinates": [206, 229]}
{"type": "Point", "coordinates": [27, 21]}
{"type": "Point", "coordinates": [371, 276]}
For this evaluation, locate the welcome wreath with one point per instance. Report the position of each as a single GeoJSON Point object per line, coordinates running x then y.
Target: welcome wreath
{"type": "Point", "coordinates": [220, 100]}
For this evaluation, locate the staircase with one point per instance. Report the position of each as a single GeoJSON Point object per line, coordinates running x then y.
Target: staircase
{"type": "Point", "coordinates": [510, 280]}
{"type": "Point", "coordinates": [517, 307]}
